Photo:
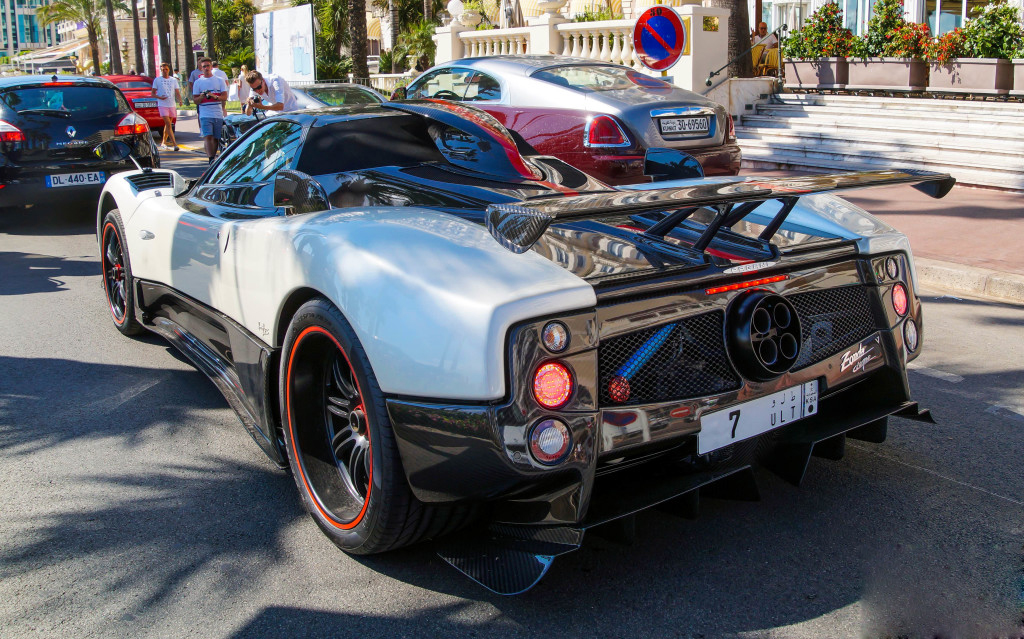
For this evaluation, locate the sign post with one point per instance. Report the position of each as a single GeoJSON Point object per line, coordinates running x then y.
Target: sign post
{"type": "Point", "coordinates": [659, 38]}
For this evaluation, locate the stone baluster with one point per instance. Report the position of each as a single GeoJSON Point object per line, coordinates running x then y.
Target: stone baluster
{"type": "Point", "coordinates": [585, 45]}
{"type": "Point", "coordinates": [615, 55]}
{"type": "Point", "coordinates": [606, 46]}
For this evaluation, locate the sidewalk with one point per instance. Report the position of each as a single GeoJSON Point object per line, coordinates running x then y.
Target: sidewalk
{"type": "Point", "coordinates": [971, 241]}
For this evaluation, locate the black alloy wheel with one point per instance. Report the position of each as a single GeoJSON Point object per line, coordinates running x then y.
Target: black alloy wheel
{"type": "Point", "coordinates": [117, 278]}
{"type": "Point", "coordinates": [335, 456]}
{"type": "Point", "coordinates": [340, 443]}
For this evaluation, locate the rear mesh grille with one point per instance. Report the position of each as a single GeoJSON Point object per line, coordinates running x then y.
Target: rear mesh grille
{"type": "Point", "coordinates": [831, 320]}
{"type": "Point", "coordinates": [143, 181]}
{"type": "Point", "coordinates": [670, 362]}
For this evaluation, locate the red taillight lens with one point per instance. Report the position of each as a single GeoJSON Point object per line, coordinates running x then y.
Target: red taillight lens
{"type": "Point", "coordinates": [10, 133]}
{"type": "Point", "coordinates": [618, 389]}
{"type": "Point", "coordinates": [603, 130]}
{"type": "Point", "coordinates": [741, 285]}
{"type": "Point", "coordinates": [900, 301]}
{"type": "Point", "coordinates": [132, 124]}
{"type": "Point", "coordinates": [730, 131]}
{"type": "Point", "coordinates": [552, 385]}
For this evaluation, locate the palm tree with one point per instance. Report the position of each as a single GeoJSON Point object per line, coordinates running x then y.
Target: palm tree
{"type": "Point", "coordinates": [150, 55]}
{"type": "Point", "coordinates": [84, 11]}
{"type": "Point", "coordinates": [139, 65]}
{"type": "Point", "coordinates": [742, 66]}
{"type": "Point", "coordinates": [161, 25]}
{"type": "Point", "coordinates": [112, 47]}
{"type": "Point", "coordinates": [357, 37]}
{"type": "Point", "coordinates": [209, 29]}
{"type": "Point", "coordinates": [186, 19]}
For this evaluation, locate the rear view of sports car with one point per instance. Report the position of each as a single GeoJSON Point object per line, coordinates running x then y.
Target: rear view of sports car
{"type": "Point", "coordinates": [432, 326]}
{"type": "Point", "coordinates": [138, 89]}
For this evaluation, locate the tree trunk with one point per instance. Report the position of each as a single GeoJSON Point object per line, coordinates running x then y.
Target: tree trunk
{"type": "Point", "coordinates": [428, 10]}
{"type": "Point", "coordinates": [357, 37]}
{"type": "Point", "coordinates": [140, 66]}
{"type": "Point", "coordinates": [94, 49]}
{"type": "Point", "coordinates": [150, 55]}
{"type": "Point", "coordinates": [163, 28]}
{"type": "Point", "coordinates": [742, 66]}
{"type": "Point", "coordinates": [210, 51]}
{"type": "Point", "coordinates": [113, 47]}
{"type": "Point", "coordinates": [393, 10]}
{"type": "Point", "coordinates": [186, 27]}
{"type": "Point", "coordinates": [174, 43]}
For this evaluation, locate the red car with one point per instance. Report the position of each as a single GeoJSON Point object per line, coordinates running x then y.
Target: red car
{"type": "Point", "coordinates": [139, 91]}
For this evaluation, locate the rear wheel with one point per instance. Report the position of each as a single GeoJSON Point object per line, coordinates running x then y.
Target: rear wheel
{"type": "Point", "coordinates": [117, 275]}
{"type": "Point", "coordinates": [339, 441]}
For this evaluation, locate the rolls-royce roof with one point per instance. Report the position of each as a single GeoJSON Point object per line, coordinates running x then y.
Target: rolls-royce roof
{"type": "Point", "coordinates": [523, 64]}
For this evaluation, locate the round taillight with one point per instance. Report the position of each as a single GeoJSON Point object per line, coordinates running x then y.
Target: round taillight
{"type": "Point", "coordinates": [892, 269]}
{"type": "Point", "coordinates": [556, 337]}
{"type": "Point", "coordinates": [899, 299]}
{"type": "Point", "coordinates": [910, 335]}
{"type": "Point", "coordinates": [552, 385]}
{"type": "Point", "coordinates": [550, 441]}
{"type": "Point", "coordinates": [618, 389]}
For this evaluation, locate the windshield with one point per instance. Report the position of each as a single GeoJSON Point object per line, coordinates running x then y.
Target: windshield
{"type": "Point", "coordinates": [77, 101]}
{"type": "Point", "coordinates": [598, 78]}
{"type": "Point", "coordinates": [339, 96]}
{"type": "Point", "coordinates": [134, 84]}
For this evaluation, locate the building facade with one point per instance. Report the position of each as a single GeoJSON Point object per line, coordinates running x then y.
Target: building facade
{"type": "Point", "coordinates": [21, 30]}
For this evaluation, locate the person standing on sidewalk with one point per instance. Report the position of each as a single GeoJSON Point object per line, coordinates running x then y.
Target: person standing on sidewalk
{"type": "Point", "coordinates": [269, 92]}
{"type": "Point", "coordinates": [223, 76]}
{"type": "Point", "coordinates": [168, 97]}
{"type": "Point", "coordinates": [209, 93]}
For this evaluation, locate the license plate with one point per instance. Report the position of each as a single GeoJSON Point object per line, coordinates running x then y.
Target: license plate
{"type": "Point", "coordinates": [145, 104]}
{"type": "Point", "coordinates": [75, 179]}
{"type": "Point", "coordinates": [685, 125]}
{"type": "Point", "coordinates": [757, 416]}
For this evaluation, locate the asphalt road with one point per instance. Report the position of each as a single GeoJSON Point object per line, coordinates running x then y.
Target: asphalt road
{"type": "Point", "coordinates": [136, 505]}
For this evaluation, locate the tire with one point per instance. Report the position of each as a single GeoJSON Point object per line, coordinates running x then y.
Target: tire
{"type": "Point", "coordinates": [340, 444]}
{"type": "Point", "coordinates": [117, 275]}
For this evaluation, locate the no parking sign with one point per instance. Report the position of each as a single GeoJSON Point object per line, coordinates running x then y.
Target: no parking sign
{"type": "Point", "coordinates": [659, 38]}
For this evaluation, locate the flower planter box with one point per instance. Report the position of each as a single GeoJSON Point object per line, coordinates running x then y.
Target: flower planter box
{"type": "Point", "coordinates": [823, 73]}
{"type": "Point", "coordinates": [888, 74]}
{"type": "Point", "coordinates": [972, 75]}
{"type": "Point", "coordinates": [1018, 77]}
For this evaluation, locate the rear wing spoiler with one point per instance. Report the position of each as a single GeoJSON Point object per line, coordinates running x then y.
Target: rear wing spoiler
{"type": "Point", "coordinates": [518, 226]}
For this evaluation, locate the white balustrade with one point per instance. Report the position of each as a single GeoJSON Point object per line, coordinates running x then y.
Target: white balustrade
{"type": "Point", "coordinates": [607, 41]}
{"type": "Point", "coordinates": [386, 82]}
{"type": "Point", "coordinates": [491, 42]}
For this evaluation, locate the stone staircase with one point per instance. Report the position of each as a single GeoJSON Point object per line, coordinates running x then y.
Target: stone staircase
{"type": "Point", "coordinates": [978, 143]}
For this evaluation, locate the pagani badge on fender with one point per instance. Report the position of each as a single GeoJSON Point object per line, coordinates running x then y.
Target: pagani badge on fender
{"type": "Point", "coordinates": [421, 316]}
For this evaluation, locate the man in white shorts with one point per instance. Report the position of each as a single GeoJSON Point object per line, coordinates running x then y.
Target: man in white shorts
{"type": "Point", "coordinates": [269, 92]}
{"type": "Point", "coordinates": [168, 96]}
{"type": "Point", "coordinates": [210, 93]}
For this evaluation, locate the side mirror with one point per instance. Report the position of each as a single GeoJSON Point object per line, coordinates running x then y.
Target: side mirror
{"type": "Point", "coordinates": [399, 93]}
{"type": "Point", "coordinates": [112, 151]}
{"type": "Point", "coordinates": [299, 193]}
{"type": "Point", "coordinates": [668, 164]}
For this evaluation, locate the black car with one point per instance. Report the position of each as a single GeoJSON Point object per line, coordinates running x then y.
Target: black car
{"type": "Point", "coordinates": [49, 126]}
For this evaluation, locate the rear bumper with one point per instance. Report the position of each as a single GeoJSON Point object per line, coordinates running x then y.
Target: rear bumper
{"type": "Point", "coordinates": [629, 169]}
{"type": "Point", "coordinates": [21, 187]}
{"type": "Point", "coordinates": [720, 160]}
{"type": "Point", "coordinates": [454, 453]}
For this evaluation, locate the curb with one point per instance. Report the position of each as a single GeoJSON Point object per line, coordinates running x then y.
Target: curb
{"type": "Point", "coordinates": [971, 280]}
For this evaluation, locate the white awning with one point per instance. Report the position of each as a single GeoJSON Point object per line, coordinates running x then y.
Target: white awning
{"type": "Point", "coordinates": [52, 53]}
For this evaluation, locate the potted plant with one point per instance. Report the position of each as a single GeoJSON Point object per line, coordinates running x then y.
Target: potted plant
{"type": "Point", "coordinates": [976, 59]}
{"type": "Point", "coordinates": [815, 56]}
{"type": "Point", "coordinates": [472, 13]}
{"type": "Point", "coordinates": [893, 53]}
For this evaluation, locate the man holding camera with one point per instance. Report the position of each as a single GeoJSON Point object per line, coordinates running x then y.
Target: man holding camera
{"type": "Point", "coordinates": [210, 92]}
{"type": "Point", "coordinates": [270, 93]}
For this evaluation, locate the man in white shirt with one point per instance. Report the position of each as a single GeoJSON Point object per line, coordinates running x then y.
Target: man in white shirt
{"type": "Point", "coordinates": [168, 96]}
{"type": "Point", "coordinates": [761, 36]}
{"type": "Point", "coordinates": [223, 76]}
{"type": "Point", "coordinates": [270, 93]}
{"type": "Point", "coordinates": [210, 92]}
